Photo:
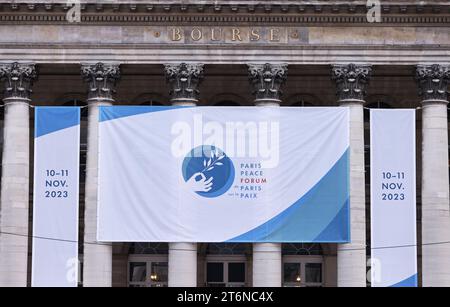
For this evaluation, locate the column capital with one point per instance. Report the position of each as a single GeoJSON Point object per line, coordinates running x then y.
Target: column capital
{"type": "Point", "coordinates": [351, 81]}
{"type": "Point", "coordinates": [184, 80]}
{"type": "Point", "coordinates": [102, 79]}
{"type": "Point", "coordinates": [18, 79]}
{"type": "Point", "coordinates": [433, 81]}
{"type": "Point", "coordinates": [267, 80]}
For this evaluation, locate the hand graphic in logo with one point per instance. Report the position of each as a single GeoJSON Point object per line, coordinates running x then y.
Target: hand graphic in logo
{"type": "Point", "coordinates": [201, 165]}
{"type": "Point", "coordinates": [200, 185]}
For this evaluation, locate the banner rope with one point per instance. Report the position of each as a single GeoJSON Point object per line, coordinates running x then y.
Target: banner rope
{"type": "Point", "coordinates": [344, 249]}
{"type": "Point", "coordinates": [417, 108]}
{"type": "Point", "coordinates": [82, 107]}
{"type": "Point", "coordinates": [50, 239]}
{"type": "Point", "coordinates": [11, 103]}
{"type": "Point", "coordinates": [33, 106]}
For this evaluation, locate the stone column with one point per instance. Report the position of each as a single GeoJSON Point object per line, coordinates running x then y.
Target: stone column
{"type": "Point", "coordinates": [433, 81]}
{"type": "Point", "coordinates": [18, 79]}
{"type": "Point", "coordinates": [97, 262]}
{"type": "Point", "coordinates": [351, 81]}
{"type": "Point", "coordinates": [183, 80]}
{"type": "Point", "coordinates": [266, 81]}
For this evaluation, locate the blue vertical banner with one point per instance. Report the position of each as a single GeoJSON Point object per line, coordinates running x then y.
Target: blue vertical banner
{"type": "Point", "coordinates": [393, 198]}
{"type": "Point", "coordinates": [55, 198]}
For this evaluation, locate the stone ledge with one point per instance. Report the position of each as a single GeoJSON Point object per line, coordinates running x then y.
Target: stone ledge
{"type": "Point", "coordinates": [151, 54]}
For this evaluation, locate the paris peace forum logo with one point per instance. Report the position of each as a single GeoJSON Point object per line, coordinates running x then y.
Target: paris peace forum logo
{"type": "Point", "coordinates": [208, 171]}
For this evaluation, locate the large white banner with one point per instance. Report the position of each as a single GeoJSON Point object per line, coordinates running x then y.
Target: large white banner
{"type": "Point", "coordinates": [393, 198]}
{"type": "Point", "coordinates": [223, 174]}
{"type": "Point", "coordinates": [55, 201]}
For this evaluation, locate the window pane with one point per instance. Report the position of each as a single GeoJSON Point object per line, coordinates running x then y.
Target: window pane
{"type": "Point", "coordinates": [313, 272]}
{"type": "Point", "coordinates": [159, 272]}
{"type": "Point", "coordinates": [291, 272]}
{"type": "Point", "coordinates": [214, 272]}
{"type": "Point", "coordinates": [236, 272]}
{"type": "Point", "coordinates": [138, 271]}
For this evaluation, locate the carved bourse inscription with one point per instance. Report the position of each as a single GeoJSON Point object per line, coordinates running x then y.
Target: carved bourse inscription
{"type": "Point", "coordinates": [232, 35]}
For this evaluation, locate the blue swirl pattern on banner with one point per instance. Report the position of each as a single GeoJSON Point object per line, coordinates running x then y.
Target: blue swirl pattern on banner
{"type": "Point", "coordinates": [322, 213]}
{"type": "Point", "coordinates": [408, 282]}
{"type": "Point", "coordinates": [113, 112]}
{"type": "Point", "coordinates": [51, 119]}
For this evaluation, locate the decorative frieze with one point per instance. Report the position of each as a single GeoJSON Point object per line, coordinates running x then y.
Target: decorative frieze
{"type": "Point", "coordinates": [351, 81]}
{"type": "Point", "coordinates": [184, 80]}
{"type": "Point", "coordinates": [18, 79]}
{"type": "Point", "coordinates": [271, 19]}
{"type": "Point", "coordinates": [267, 80]}
{"type": "Point", "coordinates": [433, 82]}
{"type": "Point", "coordinates": [233, 11]}
{"type": "Point", "coordinates": [102, 79]}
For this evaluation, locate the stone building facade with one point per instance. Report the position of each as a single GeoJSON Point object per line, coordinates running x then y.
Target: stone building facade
{"type": "Point", "coordinates": [315, 53]}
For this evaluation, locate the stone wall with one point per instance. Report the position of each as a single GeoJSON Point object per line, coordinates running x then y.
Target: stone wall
{"type": "Point", "coordinates": [233, 32]}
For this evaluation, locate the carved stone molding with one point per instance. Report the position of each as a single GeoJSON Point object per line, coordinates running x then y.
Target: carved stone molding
{"type": "Point", "coordinates": [267, 6]}
{"type": "Point", "coordinates": [184, 80]}
{"type": "Point", "coordinates": [102, 79]}
{"type": "Point", "coordinates": [351, 81]}
{"type": "Point", "coordinates": [433, 81]}
{"type": "Point", "coordinates": [267, 80]}
{"type": "Point", "coordinates": [18, 80]}
{"type": "Point", "coordinates": [258, 12]}
{"type": "Point", "coordinates": [272, 19]}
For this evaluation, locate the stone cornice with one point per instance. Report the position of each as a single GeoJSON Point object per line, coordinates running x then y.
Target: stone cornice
{"type": "Point", "coordinates": [207, 54]}
{"type": "Point", "coordinates": [256, 12]}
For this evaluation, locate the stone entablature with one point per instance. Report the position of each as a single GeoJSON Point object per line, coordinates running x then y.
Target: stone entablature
{"type": "Point", "coordinates": [285, 6]}
{"type": "Point", "coordinates": [233, 32]}
{"type": "Point", "coordinates": [262, 11]}
{"type": "Point", "coordinates": [196, 35]}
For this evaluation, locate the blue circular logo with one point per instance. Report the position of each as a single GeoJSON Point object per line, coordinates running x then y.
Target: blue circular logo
{"type": "Point", "coordinates": [208, 171]}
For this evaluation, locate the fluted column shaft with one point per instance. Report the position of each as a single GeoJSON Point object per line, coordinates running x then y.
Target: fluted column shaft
{"type": "Point", "coordinates": [433, 82]}
{"type": "Point", "coordinates": [14, 206]}
{"type": "Point", "coordinates": [183, 79]}
{"type": "Point", "coordinates": [351, 81]}
{"type": "Point", "coordinates": [267, 81]}
{"type": "Point", "coordinates": [97, 257]}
